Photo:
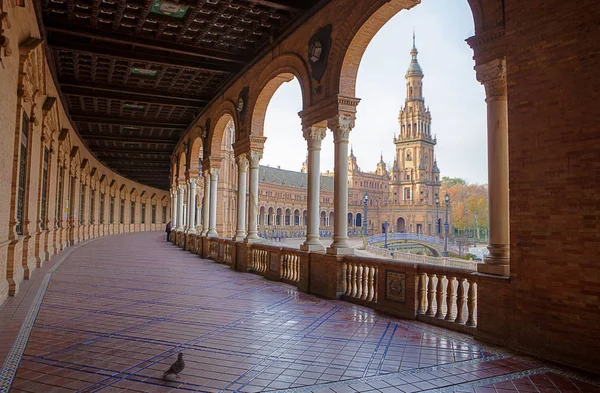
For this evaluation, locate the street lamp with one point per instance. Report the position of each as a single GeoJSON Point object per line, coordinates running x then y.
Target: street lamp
{"type": "Point", "coordinates": [446, 226]}
{"type": "Point", "coordinates": [437, 220]}
{"type": "Point", "coordinates": [385, 230]}
{"type": "Point", "coordinates": [365, 200]}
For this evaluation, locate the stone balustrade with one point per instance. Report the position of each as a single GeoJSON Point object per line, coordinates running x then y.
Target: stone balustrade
{"type": "Point", "coordinates": [441, 295]}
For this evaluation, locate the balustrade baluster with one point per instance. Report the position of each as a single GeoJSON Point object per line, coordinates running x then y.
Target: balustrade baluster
{"type": "Point", "coordinates": [354, 286]}
{"type": "Point", "coordinates": [371, 284]}
{"type": "Point", "coordinates": [422, 293]}
{"type": "Point", "coordinates": [376, 283]}
{"type": "Point", "coordinates": [295, 268]}
{"type": "Point", "coordinates": [472, 298]}
{"type": "Point", "coordinates": [439, 299]}
{"type": "Point", "coordinates": [348, 279]}
{"type": "Point", "coordinates": [365, 284]}
{"type": "Point", "coordinates": [286, 267]}
{"type": "Point", "coordinates": [450, 298]}
{"type": "Point", "coordinates": [460, 301]}
{"type": "Point", "coordinates": [359, 282]}
{"type": "Point", "coordinates": [430, 295]}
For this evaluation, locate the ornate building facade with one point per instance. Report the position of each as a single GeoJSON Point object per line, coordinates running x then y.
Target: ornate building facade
{"type": "Point", "coordinates": [403, 197]}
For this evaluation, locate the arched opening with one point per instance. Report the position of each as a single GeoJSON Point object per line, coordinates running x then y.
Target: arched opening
{"type": "Point", "coordinates": [224, 133]}
{"type": "Point", "coordinates": [422, 137]}
{"type": "Point", "coordinates": [270, 216]}
{"type": "Point", "coordinates": [400, 225]}
{"type": "Point", "coordinates": [359, 222]}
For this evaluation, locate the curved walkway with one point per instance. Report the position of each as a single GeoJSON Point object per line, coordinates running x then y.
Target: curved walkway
{"type": "Point", "coordinates": [115, 311]}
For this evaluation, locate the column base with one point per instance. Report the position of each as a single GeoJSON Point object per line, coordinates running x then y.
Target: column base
{"type": "Point", "coordinates": [314, 247]}
{"type": "Point", "coordinates": [494, 269]}
{"type": "Point", "coordinates": [212, 233]}
{"type": "Point", "coordinates": [340, 250]}
{"type": "Point", "coordinates": [251, 240]}
{"type": "Point", "coordinates": [239, 238]}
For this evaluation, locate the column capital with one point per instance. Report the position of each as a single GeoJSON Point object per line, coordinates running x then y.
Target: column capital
{"type": "Point", "coordinates": [255, 157]}
{"type": "Point", "coordinates": [314, 135]}
{"type": "Point", "coordinates": [341, 125]}
{"type": "Point", "coordinates": [214, 172]}
{"type": "Point", "coordinates": [492, 76]}
{"type": "Point", "coordinates": [242, 162]}
{"type": "Point", "coordinates": [181, 188]}
{"type": "Point", "coordinates": [194, 182]}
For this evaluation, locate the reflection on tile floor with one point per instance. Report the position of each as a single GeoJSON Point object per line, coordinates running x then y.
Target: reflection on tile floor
{"type": "Point", "coordinates": [118, 310]}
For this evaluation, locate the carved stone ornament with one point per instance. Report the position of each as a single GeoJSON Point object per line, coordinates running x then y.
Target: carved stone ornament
{"type": "Point", "coordinates": [4, 24]}
{"type": "Point", "coordinates": [214, 173]}
{"type": "Point", "coordinates": [492, 76]}
{"type": "Point", "coordinates": [242, 163]}
{"type": "Point", "coordinates": [314, 136]}
{"type": "Point", "coordinates": [242, 103]}
{"type": "Point", "coordinates": [319, 47]}
{"type": "Point", "coordinates": [255, 158]}
{"type": "Point", "coordinates": [341, 126]}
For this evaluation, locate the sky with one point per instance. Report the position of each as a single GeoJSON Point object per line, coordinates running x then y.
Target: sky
{"type": "Point", "coordinates": [455, 98]}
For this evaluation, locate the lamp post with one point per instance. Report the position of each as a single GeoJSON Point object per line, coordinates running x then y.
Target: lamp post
{"type": "Point", "coordinates": [446, 226]}
{"type": "Point", "coordinates": [437, 219]}
{"type": "Point", "coordinates": [365, 200]}
{"type": "Point", "coordinates": [385, 230]}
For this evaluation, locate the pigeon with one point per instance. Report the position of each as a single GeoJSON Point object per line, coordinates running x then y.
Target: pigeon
{"type": "Point", "coordinates": [176, 367]}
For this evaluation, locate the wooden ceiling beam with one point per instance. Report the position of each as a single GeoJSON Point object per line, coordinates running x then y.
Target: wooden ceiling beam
{"type": "Point", "coordinates": [124, 161]}
{"type": "Point", "coordinates": [130, 55]}
{"type": "Point", "coordinates": [284, 5]}
{"type": "Point", "coordinates": [148, 43]}
{"type": "Point", "coordinates": [103, 150]}
{"type": "Point", "coordinates": [128, 95]}
{"type": "Point", "coordinates": [126, 139]}
{"type": "Point", "coordinates": [98, 119]}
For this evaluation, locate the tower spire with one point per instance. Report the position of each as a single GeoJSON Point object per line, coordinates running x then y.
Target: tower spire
{"type": "Point", "coordinates": [414, 69]}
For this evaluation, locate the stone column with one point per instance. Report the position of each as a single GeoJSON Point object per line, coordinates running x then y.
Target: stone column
{"type": "Point", "coordinates": [173, 208]}
{"type": "Point", "coordinates": [341, 126]}
{"type": "Point", "coordinates": [255, 157]}
{"type": "Point", "coordinates": [242, 164]}
{"type": "Point", "coordinates": [206, 203]}
{"type": "Point", "coordinates": [181, 190]}
{"type": "Point", "coordinates": [212, 219]}
{"type": "Point", "coordinates": [314, 136]}
{"type": "Point", "coordinates": [493, 77]}
{"type": "Point", "coordinates": [192, 206]}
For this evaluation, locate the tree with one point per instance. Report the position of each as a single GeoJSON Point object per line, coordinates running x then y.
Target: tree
{"type": "Point", "coordinates": [468, 205]}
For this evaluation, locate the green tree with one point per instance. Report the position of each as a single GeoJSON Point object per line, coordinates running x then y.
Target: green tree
{"type": "Point", "coordinates": [468, 205]}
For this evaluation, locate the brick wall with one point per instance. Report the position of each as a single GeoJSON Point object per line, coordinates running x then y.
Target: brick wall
{"type": "Point", "coordinates": [21, 254]}
{"type": "Point", "coordinates": [553, 59]}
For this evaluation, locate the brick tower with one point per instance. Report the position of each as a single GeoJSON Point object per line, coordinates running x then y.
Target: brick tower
{"type": "Point", "coordinates": [415, 179]}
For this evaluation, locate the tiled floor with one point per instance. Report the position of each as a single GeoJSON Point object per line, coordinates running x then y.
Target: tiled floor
{"type": "Point", "coordinates": [118, 310]}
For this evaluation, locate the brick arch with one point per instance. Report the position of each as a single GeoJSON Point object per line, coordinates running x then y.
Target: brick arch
{"type": "Point", "coordinates": [224, 112]}
{"type": "Point", "coordinates": [181, 167]}
{"type": "Point", "coordinates": [363, 24]}
{"type": "Point", "coordinates": [280, 70]}
{"type": "Point", "coordinates": [195, 154]}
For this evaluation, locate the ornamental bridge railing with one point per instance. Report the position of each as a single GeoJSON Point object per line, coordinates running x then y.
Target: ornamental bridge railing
{"type": "Point", "coordinates": [418, 237]}
{"type": "Point", "coordinates": [441, 295]}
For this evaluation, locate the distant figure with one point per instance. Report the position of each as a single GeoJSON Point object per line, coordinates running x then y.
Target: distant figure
{"type": "Point", "coordinates": [168, 230]}
{"type": "Point", "coordinates": [176, 367]}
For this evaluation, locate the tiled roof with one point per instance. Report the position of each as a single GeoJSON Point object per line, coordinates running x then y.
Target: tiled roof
{"type": "Point", "coordinates": [268, 175]}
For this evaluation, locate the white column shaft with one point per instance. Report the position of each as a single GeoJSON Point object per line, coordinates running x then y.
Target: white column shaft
{"type": "Point", "coordinates": [206, 203]}
{"type": "Point", "coordinates": [192, 207]}
{"type": "Point", "coordinates": [180, 190]}
{"type": "Point", "coordinates": [212, 222]}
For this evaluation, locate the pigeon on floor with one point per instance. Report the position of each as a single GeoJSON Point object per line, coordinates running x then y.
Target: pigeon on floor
{"type": "Point", "coordinates": [176, 367]}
